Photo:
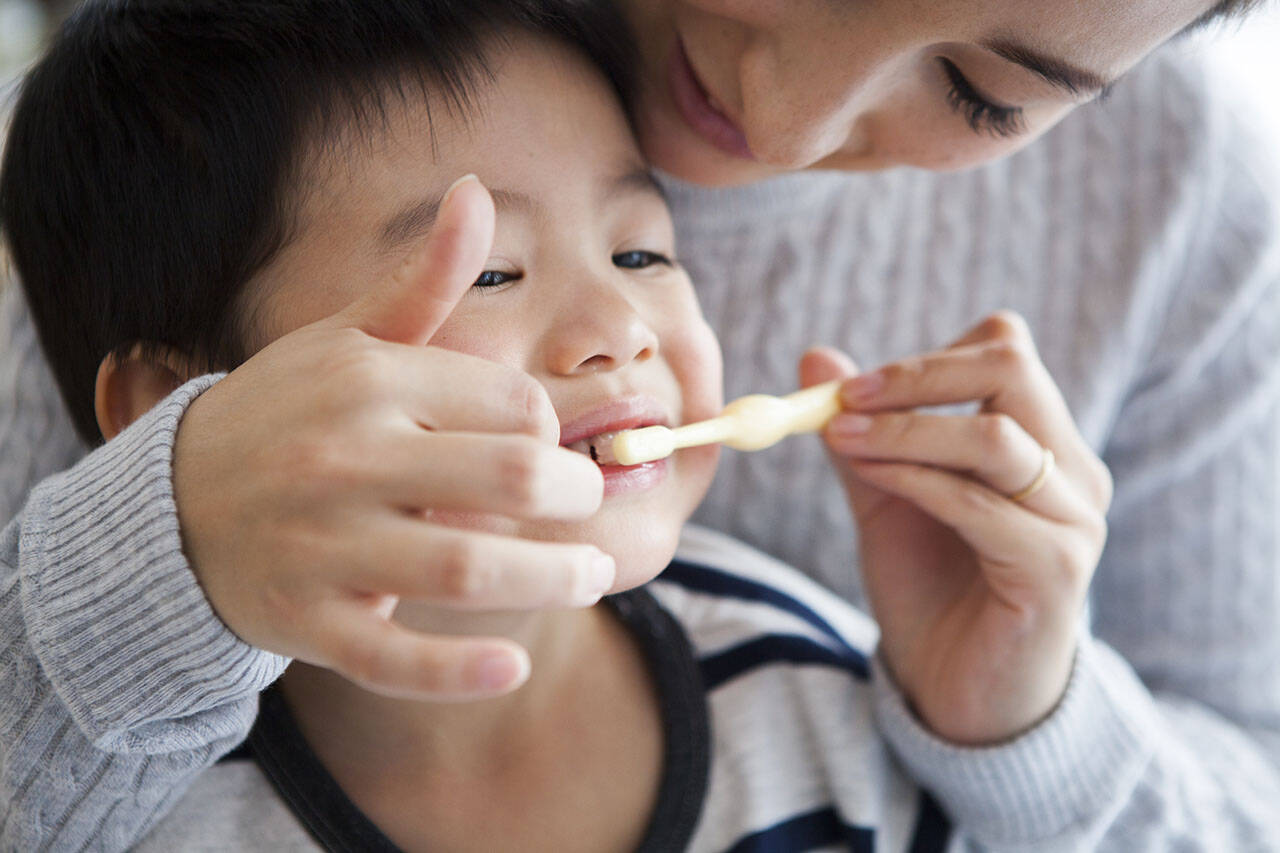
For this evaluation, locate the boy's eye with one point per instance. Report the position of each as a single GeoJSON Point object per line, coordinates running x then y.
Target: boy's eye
{"type": "Point", "coordinates": [495, 278]}
{"type": "Point", "coordinates": [639, 259]}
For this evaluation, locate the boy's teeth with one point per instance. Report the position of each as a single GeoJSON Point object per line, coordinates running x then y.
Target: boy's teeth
{"type": "Point", "coordinates": [597, 446]}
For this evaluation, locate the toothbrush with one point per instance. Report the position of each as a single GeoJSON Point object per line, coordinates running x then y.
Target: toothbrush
{"type": "Point", "coordinates": [748, 423]}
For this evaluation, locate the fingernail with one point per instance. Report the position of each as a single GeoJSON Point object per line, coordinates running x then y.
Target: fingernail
{"type": "Point", "coordinates": [599, 580]}
{"type": "Point", "coordinates": [862, 387]}
{"type": "Point", "coordinates": [469, 176]}
{"type": "Point", "coordinates": [497, 670]}
{"type": "Point", "coordinates": [850, 424]}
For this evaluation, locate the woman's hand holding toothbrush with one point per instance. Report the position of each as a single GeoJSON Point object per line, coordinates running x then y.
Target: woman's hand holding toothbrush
{"type": "Point", "coordinates": [979, 533]}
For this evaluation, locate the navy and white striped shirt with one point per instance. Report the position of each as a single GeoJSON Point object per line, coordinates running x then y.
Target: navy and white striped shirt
{"type": "Point", "coordinates": [770, 743]}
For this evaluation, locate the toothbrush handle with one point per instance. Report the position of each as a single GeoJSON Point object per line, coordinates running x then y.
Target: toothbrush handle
{"type": "Point", "coordinates": [748, 423]}
{"type": "Point", "coordinates": [813, 407]}
{"type": "Point", "coordinates": [718, 429]}
{"type": "Point", "coordinates": [759, 420]}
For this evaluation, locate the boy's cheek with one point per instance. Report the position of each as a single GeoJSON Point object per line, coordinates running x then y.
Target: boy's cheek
{"type": "Point", "coordinates": [696, 361]}
{"type": "Point", "coordinates": [459, 334]}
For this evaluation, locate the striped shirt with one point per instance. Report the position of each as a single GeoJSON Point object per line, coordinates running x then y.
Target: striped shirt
{"type": "Point", "coordinates": [764, 686]}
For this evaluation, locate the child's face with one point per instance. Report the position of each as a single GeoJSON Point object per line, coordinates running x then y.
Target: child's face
{"type": "Point", "coordinates": [577, 293]}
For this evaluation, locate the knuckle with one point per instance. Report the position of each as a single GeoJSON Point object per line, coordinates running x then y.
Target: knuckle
{"type": "Point", "coordinates": [1103, 483]}
{"type": "Point", "coordinates": [356, 370]}
{"type": "Point", "coordinates": [459, 571]}
{"type": "Point", "coordinates": [904, 371]}
{"type": "Point", "coordinates": [320, 467]}
{"type": "Point", "coordinates": [528, 402]}
{"type": "Point", "coordinates": [1013, 358]}
{"type": "Point", "coordinates": [996, 434]}
{"type": "Point", "coordinates": [979, 499]}
{"type": "Point", "coordinates": [361, 662]}
{"type": "Point", "coordinates": [433, 673]}
{"type": "Point", "coordinates": [1096, 530]}
{"type": "Point", "coordinates": [1007, 324]}
{"type": "Point", "coordinates": [1070, 563]}
{"type": "Point", "coordinates": [288, 613]}
{"type": "Point", "coordinates": [891, 429]}
{"type": "Point", "coordinates": [522, 471]}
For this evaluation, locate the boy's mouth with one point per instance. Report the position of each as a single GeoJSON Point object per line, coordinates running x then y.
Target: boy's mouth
{"type": "Point", "coordinates": [592, 433]}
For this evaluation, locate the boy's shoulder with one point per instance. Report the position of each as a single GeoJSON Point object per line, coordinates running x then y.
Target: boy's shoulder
{"type": "Point", "coordinates": [723, 591]}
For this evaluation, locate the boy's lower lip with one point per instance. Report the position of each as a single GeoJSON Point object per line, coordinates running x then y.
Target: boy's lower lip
{"type": "Point", "coordinates": [633, 479]}
{"type": "Point", "coordinates": [692, 102]}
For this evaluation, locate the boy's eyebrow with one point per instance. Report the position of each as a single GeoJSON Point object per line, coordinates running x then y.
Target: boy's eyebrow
{"type": "Point", "coordinates": [416, 220]}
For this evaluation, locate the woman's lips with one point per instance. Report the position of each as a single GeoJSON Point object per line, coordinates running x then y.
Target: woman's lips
{"type": "Point", "coordinates": [695, 107]}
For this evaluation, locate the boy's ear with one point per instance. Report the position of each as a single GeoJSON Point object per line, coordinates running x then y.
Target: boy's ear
{"type": "Point", "coordinates": [128, 387]}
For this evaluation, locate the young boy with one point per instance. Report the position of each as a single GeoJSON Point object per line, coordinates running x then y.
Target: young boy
{"type": "Point", "coordinates": [725, 705]}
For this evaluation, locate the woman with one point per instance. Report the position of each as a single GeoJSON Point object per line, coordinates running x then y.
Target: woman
{"type": "Point", "coordinates": [1133, 238]}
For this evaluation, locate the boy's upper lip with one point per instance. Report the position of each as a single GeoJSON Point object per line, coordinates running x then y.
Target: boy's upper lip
{"type": "Point", "coordinates": [624, 412]}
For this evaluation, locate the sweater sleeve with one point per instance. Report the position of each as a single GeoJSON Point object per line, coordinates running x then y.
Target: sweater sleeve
{"type": "Point", "coordinates": [121, 684]}
{"type": "Point", "coordinates": [1169, 734]}
{"type": "Point", "coordinates": [36, 436]}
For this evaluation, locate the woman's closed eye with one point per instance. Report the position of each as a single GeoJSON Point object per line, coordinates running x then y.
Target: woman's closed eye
{"type": "Point", "coordinates": [638, 259]}
{"type": "Point", "coordinates": [982, 115]}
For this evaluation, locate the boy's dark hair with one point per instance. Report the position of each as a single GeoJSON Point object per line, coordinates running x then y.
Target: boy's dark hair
{"type": "Point", "coordinates": [151, 162]}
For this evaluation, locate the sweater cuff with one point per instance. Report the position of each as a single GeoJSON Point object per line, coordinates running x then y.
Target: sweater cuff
{"type": "Point", "coordinates": [1063, 780]}
{"type": "Point", "coordinates": [114, 614]}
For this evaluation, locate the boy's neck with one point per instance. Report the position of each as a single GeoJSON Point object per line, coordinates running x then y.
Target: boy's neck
{"type": "Point", "coordinates": [586, 727]}
{"type": "Point", "coordinates": [333, 712]}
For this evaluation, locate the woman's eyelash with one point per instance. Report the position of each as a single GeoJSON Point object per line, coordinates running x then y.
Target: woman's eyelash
{"type": "Point", "coordinates": [639, 259]}
{"type": "Point", "coordinates": [982, 115]}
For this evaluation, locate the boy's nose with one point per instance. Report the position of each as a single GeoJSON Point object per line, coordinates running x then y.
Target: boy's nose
{"type": "Point", "coordinates": [599, 333]}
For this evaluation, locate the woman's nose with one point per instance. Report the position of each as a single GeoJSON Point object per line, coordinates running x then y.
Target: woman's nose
{"type": "Point", "coordinates": [599, 331]}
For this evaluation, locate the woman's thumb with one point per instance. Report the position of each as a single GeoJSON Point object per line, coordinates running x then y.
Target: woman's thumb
{"type": "Point", "coordinates": [423, 292]}
{"type": "Point", "coordinates": [823, 364]}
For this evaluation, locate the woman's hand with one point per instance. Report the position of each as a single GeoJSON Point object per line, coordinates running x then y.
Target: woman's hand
{"type": "Point", "coordinates": [306, 478]}
{"type": "Point", "coordinates": [978, 595]}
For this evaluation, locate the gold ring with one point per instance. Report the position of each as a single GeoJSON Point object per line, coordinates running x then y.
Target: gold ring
{"type": "Point", "coordinates": [1042, 476]}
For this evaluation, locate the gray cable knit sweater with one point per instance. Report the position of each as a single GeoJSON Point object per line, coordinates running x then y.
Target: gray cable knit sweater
{"type": "Point", "coordinates": [1141, 241]}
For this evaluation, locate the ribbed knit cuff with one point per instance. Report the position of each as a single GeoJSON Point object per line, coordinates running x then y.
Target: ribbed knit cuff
{"type": "Point", "coordinates": [1061, 781]}
{"type": "Point", "coordinates": [113, 611]}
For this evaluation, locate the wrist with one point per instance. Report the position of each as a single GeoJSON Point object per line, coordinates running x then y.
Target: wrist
{"type": "Point", "coordinates": [1004, 693]}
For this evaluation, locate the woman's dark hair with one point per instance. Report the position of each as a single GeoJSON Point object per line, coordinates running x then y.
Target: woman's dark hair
{"type": "Point", "coordinates": [1226, 9]}
{"type": "Point", "coordinates": [150, 167]}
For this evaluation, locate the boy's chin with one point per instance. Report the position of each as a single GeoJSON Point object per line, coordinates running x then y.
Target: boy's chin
{"type": "Point", "coordinates": [637, 568]}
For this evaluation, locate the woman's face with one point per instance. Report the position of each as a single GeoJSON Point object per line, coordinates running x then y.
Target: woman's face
{"type": "Point", "coordinates": [737, 90]}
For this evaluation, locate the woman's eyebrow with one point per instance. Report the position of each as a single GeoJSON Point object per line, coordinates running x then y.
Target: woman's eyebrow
{"type": "Point", "coordinates": [1064, 75]}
